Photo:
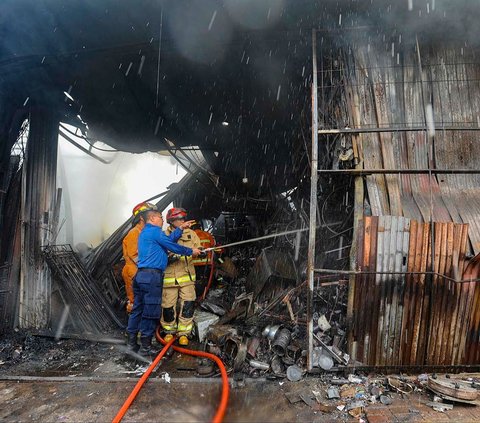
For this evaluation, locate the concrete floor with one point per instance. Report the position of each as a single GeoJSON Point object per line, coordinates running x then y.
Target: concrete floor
{"type": "Point", "coordinates": [71, 381]}
{"type": "Point", "coordinates": [195, 401]}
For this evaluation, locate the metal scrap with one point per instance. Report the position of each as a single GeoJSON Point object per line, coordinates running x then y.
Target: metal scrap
{"type": "Point", "coordinates": [90, 310]}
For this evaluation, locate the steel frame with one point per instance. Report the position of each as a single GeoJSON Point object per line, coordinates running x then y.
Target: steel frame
{"type": "Point", "coordinates": [313, 203]}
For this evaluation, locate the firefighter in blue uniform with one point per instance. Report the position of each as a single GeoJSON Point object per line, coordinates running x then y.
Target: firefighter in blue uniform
{"type": "Point", "coordinates": [153, 247]}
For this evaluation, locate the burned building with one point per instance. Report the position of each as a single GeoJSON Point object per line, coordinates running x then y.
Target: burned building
{"type": "Point", "coordinates": [350, 129]}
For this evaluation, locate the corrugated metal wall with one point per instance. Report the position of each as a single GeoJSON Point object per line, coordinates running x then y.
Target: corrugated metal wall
{"type": "Point", "coordinates": [394, 90]}
{"type": "Point", "coordinates": [415, 318]}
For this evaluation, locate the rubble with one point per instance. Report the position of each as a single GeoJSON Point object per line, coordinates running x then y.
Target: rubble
{"type": "Point", "coordinates": [203, 322]}
{"type": "Point", "coordinates": [440, 406]}
{"type": "Point", "coordinates": [333, 393]}
{"type": "Point", "coordinates": [352, 396]}
{"type": "Point", "coordinates": [294, 373]}
{"type": "Point", "coordinates": [259, 298]}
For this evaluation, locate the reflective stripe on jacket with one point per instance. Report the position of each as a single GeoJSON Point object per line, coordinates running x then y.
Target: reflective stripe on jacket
{"type": "Point", "coordinates": [182, 271]}
{"type": "Point", "coordinates": [153, 247]}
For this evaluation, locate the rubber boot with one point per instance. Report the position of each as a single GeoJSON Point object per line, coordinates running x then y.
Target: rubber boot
{"type": "Point", "coordinates": [146, 347]}
{"type": "Point", "coordinates": [183, 340]}
{"type": "Point", "coordinates": [132, 343]}
{"type": "Point", "coordinates": [168, 337]}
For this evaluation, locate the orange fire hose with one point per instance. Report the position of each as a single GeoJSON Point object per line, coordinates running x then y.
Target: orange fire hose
{"type": "Point", "coordinates": [126, 405]}
{"type": "Point", "coordinates": [222, 407]}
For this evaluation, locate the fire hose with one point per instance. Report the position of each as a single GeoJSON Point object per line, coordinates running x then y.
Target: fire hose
{"type": "Point", "coordinates": [222, 407]}
{"type": "Point", "coordinates": [128, 402]}
{"type": "Point", "coordinates": [218, 418]}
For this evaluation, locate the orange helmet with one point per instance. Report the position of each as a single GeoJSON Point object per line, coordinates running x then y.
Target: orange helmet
{"type": "Point", "coordinates": [143, 207]}
{"type": "Point", "coordinates": [176, 213]}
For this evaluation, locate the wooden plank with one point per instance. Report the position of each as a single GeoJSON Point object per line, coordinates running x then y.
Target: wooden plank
{"type": "Point", "coordinates": [385, 142]}
{"type": "Point", "coordinates": [358, 229]}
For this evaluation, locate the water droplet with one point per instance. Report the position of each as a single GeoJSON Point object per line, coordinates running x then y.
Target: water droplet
{"type": "Point", "coordinates": [128, 69]}
{"type": "Point", "coordinates": [212, 20]}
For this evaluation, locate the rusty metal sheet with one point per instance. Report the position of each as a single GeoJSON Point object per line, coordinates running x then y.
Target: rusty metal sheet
{"type": "Point", "coordinates": [416, 319]}
{"type": "Point", "coordinates": [361, 288]}
{"type": "Point", "coordinates": [422, 260]}
{"type": "Point", "coordinates": [402, 264]}
{"type": "Point", "coordinates": [419, 319]}
{"type": "Point", "coordinates": [409, 298]}
{"type": "Point", "coordinates": [460, 312]}
{"type": "Point", "coordinates": [468, 348]}
{"type": "Point", "coordinates": [383, 240]}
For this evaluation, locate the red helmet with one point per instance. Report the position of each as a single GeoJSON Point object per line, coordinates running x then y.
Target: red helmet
{"type": "Point", "coordinates": [143, 207]}
{"type": "Point", "coordinates": [176, 213]}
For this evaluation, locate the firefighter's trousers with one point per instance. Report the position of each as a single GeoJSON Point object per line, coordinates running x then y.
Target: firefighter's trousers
{"type": "Point", "coordinates": [128, 273]}
{"type": "Point", "coordinates": [169, 308]}
{"type": "Point", "coordinates": [147, 285]}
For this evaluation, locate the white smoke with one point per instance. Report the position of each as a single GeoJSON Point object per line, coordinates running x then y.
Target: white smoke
{"type": "Point", "coordinates": [98, 197]}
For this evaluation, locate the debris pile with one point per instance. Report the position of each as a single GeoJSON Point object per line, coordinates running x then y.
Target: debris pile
{"type": "Point", "coordinates": [33, 354]}
{"type": "Point", "coordinates": [361, 397]}
{"type": "Point", "coordinates": [256, 317]}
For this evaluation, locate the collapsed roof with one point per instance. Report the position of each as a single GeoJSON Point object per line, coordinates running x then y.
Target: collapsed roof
{"type": "Point", "coordinates": [231, 77]}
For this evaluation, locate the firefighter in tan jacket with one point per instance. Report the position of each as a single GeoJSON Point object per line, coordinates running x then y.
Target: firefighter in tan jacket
{"type": "Point", "coordinates": [179, 280]}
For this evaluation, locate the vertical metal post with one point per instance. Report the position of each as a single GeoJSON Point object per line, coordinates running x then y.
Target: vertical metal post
{"type": "Point", "coordinates": [38, 199]}
{"type": "Point", "coordinates": [313, 202]}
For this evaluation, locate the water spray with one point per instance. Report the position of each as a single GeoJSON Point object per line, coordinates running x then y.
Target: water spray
{"type": "Point", "coordinates": [261, 238]}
